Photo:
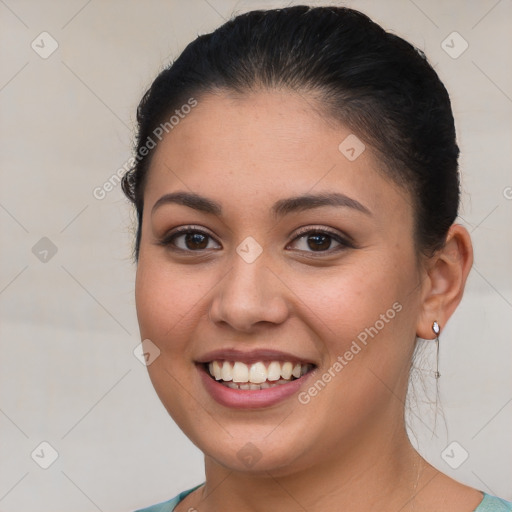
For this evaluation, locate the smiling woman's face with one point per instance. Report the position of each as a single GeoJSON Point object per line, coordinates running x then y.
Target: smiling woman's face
{"type": "Point", "coordinates": [268, 277]}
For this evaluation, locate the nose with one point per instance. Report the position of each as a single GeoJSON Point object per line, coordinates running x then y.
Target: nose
{"type": "Point", "coordinates": [250, 294]}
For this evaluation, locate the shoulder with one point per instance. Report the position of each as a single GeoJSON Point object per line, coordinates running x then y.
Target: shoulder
{"type": "Point", "coordinates": [493, 504]}
{"type": "Point", "coordinates": [169, 506]}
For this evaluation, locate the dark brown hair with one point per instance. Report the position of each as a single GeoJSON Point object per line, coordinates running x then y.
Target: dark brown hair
{"type": "Point", "coordinates": [373, 81]}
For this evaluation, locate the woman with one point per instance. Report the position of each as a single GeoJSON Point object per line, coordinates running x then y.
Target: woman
{"type": "Point", "coordinates": [296, 185]}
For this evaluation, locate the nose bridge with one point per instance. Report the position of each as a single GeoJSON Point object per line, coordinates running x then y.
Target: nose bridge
{"type": "Point", "coordinates": [249, 293]}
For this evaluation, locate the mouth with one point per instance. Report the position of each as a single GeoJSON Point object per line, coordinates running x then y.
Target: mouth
{"type": "Point", "coordinates": [256, 376]}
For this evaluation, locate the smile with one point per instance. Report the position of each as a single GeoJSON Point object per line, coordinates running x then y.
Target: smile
{"type": "Point", "coordinates": [257, 376]}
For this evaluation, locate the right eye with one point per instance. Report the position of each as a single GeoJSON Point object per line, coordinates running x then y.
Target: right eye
{"type": "Point", "coordinates": [188, 239]}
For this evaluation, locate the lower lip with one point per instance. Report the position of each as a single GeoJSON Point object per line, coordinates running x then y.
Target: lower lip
{"type": "Point", "coordinates": [250, 398]}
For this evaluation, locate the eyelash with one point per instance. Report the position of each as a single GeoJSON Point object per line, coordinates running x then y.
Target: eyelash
{"type": "Point", "coordinates": [168, 240]}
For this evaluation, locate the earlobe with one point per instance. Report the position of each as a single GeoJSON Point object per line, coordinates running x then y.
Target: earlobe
{"type": "Point", "coordinates": [446, 279]}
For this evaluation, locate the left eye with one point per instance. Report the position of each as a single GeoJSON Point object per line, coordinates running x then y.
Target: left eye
{"type": "Point", "coordinates": [319, 241]}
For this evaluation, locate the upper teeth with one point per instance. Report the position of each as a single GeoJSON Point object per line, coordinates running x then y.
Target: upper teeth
{"type": "Point", "coordinates": [256, 373]}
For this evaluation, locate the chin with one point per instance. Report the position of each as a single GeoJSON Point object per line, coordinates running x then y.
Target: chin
{"type": "Point", "coordinates": [253, 452]}
{"type": "Point", "coordinates": [254, 460]}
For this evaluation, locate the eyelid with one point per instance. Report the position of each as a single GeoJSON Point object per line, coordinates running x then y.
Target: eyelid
{"type": "Point", "coordinates": [182, 230]}
{"type": "Point", "coordinates": [343, 239]}
{"type": "Point", "coordinates": [309, 228]}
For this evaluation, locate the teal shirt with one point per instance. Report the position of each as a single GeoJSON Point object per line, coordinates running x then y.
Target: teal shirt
{"type": "Point", "coordinates": [488, 504]}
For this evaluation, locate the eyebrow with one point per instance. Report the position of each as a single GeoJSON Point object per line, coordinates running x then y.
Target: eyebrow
{"type": "Point", "coordinates": [279, 209]}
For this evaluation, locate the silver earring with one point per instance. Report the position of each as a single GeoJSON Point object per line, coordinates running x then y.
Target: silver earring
{"type": "Point", "coordinates": [437, 330]}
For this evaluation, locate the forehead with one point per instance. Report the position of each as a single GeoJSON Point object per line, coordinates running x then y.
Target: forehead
{"type": "Point", "coordinates": [265, 145]}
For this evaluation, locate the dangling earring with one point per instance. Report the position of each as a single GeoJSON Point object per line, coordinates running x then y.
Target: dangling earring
{"type": "Point", "coordinates": [437, 330]}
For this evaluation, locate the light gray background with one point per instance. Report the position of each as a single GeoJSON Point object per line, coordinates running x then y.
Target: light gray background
{"type": "Point", "coordinates": [68, 325]}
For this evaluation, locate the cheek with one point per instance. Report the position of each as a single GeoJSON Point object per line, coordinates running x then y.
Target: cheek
{"type": "Point", "coordinates": [172, 306]}
{"type": "Point", "coordinates": [363, 317]}
{"type": "Point", "coordinates": [166, 301]}
{"type": "Point", "coordinates": [353, 300]}
{"type": "Point", "coordinates": [163, 297]}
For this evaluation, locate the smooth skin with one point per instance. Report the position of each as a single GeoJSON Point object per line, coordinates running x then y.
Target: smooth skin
{"type": "Point", "coordinates": [347, 449]}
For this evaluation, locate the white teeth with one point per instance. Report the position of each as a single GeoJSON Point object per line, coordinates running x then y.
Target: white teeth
{"type": "Point", "coordinates": [254, 387]}
{"type": "Point", "coordinates": [215, 370]}
{"type": "Point", "coordinates": [257, 374]}
{"type": "Point", "coordinates": [286, 370]}
{"type": "Point", "coordinates": [274, 371]}
{"type": "Point", "coordinates": [227, 372]}
{"type": "Point", "coordinates": [240, 372]}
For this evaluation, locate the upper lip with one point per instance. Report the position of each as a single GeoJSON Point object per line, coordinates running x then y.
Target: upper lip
{"type": "Point", "coordinates": [251, 356]}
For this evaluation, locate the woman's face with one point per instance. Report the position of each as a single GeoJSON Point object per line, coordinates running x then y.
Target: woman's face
{"type": "Point", "coordinates": [299, 255]}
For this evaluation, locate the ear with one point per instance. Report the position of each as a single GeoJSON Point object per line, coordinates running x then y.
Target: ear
{"type": "Point", "coordinates": [444, 281]}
